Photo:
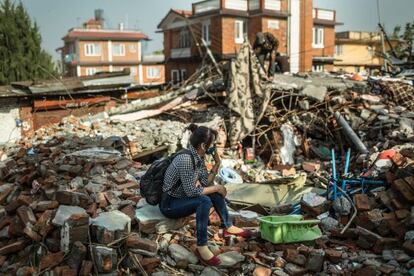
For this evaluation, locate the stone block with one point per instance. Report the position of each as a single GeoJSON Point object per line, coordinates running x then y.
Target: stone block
{"type": "Point", "coordinates": [110, 226]}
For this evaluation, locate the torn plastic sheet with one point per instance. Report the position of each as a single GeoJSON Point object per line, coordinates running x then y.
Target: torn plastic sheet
{"type": "Point", "coordinates": [290, 142]}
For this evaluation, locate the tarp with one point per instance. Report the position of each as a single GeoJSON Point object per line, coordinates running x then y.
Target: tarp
{"type": "Point", "coordinates": [248, 96]}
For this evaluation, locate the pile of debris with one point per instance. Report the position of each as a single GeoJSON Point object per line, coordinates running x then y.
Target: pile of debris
{"type": "Point", "coordinates": [70, 202]}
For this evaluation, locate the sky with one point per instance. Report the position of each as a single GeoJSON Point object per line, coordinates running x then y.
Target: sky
{"type": "Point", "coordinates": [56, 17]}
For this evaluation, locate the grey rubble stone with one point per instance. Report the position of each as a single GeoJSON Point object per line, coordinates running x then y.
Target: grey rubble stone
{"type": "Point", "coordinates": [76, 183]}
{"type": "Point", "coordinates": [64, 212]}
{"type": "Point", "coordinates": [231, 258]}
{"type": "Point", "coordinates": [180, 253]}
{"type": "Point", "coordinates": [210, 271]}
{"type": "Point", "coordinates": [315, 260]}
{"type": "Point", "coordinates": [113, 221]}
{"type": "Point", "coordinates": [293, 269]}
{"type": "Point", "coordinates": [401, 256]}
{"type": "Point", "coordinates": [94, 187]}
{"type": "Point", "coordinates": [387, 255]}
{"type": "Point", "coordinates": [316, 92]}
{"type": "Point", "coordinates": [160, 273]}
{"type": "Point", "coordinates": [280, 272]}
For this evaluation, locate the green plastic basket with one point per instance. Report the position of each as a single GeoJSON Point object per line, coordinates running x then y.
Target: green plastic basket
{"type": "Point", "coordinates": [289, 229]}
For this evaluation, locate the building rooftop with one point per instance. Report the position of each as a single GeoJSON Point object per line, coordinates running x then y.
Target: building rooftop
{"type": "Point", "coordinates": [105, 34]}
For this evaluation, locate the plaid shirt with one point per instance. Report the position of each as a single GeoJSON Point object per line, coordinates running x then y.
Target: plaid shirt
{"type": "Point", "coordinates": [182, 169]}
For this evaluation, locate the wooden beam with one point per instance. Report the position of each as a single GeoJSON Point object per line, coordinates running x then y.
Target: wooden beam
{"type": "Point", "coordinates": [63, 104]}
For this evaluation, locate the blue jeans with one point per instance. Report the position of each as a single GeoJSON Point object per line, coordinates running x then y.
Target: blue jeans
{"type": "Point", "coordinates": [175, 208]}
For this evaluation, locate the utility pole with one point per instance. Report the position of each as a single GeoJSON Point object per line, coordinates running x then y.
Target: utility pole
{"type": "Point", "coordinates": [382, 37]}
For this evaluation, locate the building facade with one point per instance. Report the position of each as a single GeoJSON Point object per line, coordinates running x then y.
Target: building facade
{"type": "Point", "coordinates": [357, 51]}
{"type": "Point", "coordinates": [93, 49]}
{"type": "Point", "coordinates": [306, 34]}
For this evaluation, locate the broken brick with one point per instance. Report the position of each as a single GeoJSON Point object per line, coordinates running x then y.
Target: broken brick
{"type": "Point", "coordinates": [362, 202]}
{"type": "Point", "coordinates": [42, 206]}
{"type": "Point", "coordinates": [21, 200]}
{"type": "Point", "coordinates": [51, 260]}
{"type": "Point", "coordinates": [333, 255]}
{"type": "Point", "coordinates": [26, 215]}
{"type": "Point", "coordinates": [262, 271]}
{"type": "Point", "coordinates": [73, 199]}
{"type": "Point", "coordinates": [311, 166]}
{"type": "Point", "coordinates": [129, 210]}
{"type": "Point", "coordinates": [13, 247]}
{"type": "Point", "coordinates": [135, 242]}
{"type": "Point", "coordinates": [404, 189]}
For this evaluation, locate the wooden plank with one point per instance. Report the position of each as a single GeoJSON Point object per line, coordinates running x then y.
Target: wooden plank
{"type": "Point", "coordinates": [141, 95]}
{"type": "Point", "coordinates": [72, 103]}
{"type": "Point", "coordinates": [150, 152]}
{"type": "Point", "coordinates": [404, 189]}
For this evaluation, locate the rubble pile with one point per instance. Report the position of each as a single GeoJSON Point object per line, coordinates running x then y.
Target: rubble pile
{"type": "Point", "coordinates": [70, 202]}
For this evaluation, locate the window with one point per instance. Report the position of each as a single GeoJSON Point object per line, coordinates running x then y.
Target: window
{"type": "Point", "coordinates": [153, 72]}
{"type": "Point", "coordinates": [205, 31]}
{"type": "Point", "coordinates": [134, 71]}
{"type": "Point", "coordinates": [185, 41]}
{"type": "Point", "coordinates": [317, 68]}
{"type": "Point", "coordinates": [175, 76]}
{"type": "Point", "coordinates": [133, 48]}
{"type": "Point", "coordinates": [339, 49]}
{"type": "Point", "coordinates": [90, 71]}
{"type": "Point", "coordinates": [183, 75]}
{"type": "Point", "coordinates": [370, 51]}
{"type": "Point", "coordinates": [118, 49]}
{"type": "Point", "coordinates": [92, 49]}
{"type": "Point", "coordinates": [273, 24]}
{"type": "Point", "coordinates": [357, 69]}
{"type": "Point", "coordinates": [318, 37]}
{"type": "Point", "coordinates": [240, 30]}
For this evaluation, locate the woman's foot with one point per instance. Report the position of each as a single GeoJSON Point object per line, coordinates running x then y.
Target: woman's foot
{"type": "Point", "coordinates": [233, 230]}
{"type": "Point", "coordinates": [206, 256]}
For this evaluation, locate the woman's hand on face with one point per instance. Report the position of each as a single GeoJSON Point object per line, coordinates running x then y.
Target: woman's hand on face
{"type": "Point", "coordinates": [221, 190]}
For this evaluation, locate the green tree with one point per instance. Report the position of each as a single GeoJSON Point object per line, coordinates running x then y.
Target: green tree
{"type": "Point", "coordinates": [21, 54]}
{"type": "Point", "coordinates": [406, 35]}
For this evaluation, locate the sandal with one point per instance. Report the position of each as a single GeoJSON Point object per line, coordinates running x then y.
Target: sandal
{"type": "Point", "coordinates": [214, 261]}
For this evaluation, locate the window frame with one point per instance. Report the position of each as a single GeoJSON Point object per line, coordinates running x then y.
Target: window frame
{"type": "Point", "coordinates": [177, 72]}
{"type": "Point", "coordinates": [318, 68]}
{"type": "Point", "coordinates": [92, 49]}
{"type": "Point", "coordinates": [240, 30]}
{"type": "Point", "coordinates": [206, 31]}
{"type": "Point", "coordinates": [90, 71]}
{"type": "Point", "coordinates": [121, 48]}
{"type": "Point", "coordinates": [150, 72]}
{"type": "Point", "coordinates": [318, 37]}
{"type": "Point", "coordinates": [339, 49]}
{"type": "Point", "coordinates": [184, 39]}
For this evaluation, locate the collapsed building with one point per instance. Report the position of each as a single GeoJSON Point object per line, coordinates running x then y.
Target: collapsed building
{"type": "Point", "coordinates": [334, 151]}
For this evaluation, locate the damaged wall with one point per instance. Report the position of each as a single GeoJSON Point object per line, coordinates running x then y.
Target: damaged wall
{"type": "Point", "coordinates": [9, 112]}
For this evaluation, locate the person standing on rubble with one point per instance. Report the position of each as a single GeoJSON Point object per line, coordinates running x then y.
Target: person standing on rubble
{"type": "Point", "coordinates": [189, 188]}
{"type": "Point", "coordinates": [265, 47]}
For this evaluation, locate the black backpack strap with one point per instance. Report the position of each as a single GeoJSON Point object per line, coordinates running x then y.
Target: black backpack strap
{"type": "Point", "coordinates": [181, 152]}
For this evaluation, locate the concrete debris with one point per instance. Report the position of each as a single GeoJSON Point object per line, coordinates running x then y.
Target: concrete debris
{"type": "Point", "coordinates": [69, 194]}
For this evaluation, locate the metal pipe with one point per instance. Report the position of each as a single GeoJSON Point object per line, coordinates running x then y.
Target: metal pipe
{"type": "Point", "coordinates": [350, 133]}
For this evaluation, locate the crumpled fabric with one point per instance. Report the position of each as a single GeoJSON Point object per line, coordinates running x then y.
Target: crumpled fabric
{"type": "Point", "coordinates": [401, 93]}
{"type": "Point", "coordinates": [248, 96]}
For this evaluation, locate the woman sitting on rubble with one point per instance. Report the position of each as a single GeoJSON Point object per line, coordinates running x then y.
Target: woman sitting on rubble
{"type": "Point", "coordinates": [196, 192]}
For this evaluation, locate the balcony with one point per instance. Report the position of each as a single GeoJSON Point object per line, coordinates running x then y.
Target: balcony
{"type": "Point", "coordinates": [181, 52]}
{"type": "Point", "coordinates": [236, 5]}
{"type": "Point", "coordinates": [325, 15]}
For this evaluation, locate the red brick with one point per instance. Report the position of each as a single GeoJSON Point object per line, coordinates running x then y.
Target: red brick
{"type": "Point", "coordinates": [150, 264]}
{"type": "Point", "coordinates": [21, 200]}
{"type": "Point", "coordinates": [362, 202]}
{"type": "Point", "coordinates": [134, 241]}
{"type": "Point", "coordinates": [16, 227]}
{"type": "Point", "coordinates": [402, 214]}
{"type": "Point", "coordinates": [290, 255]}
{"type": "Point", "coordinates": [5, 194]}
{"type": "Point", "coordinates": [26, 215]}
{"type": "Point", "coordinates": [28, 230]}
{"type": "Point", "coordinates": [333, 255]}
{"type": "Point", "coordinates": [92, 210]}
{"type": "Point", "coordinates": [129, 210]}
{"type": "Point", "coordinates": [101, 200]}
{"type": "Point", "coordinates": [409, 247]}
{"type": "Point", "coordinates": [404, 189]}
{"type": "Point", "coordinates": [44, 223]}
{"type": "Point", "coordinates": [42, 206]}
{"type": "Point", "coordinates": [13, 247]}
{"type": "Point", "coordinates": [398, 159]}
{"type": "Point", "coordinates": [130, 185]}
{"type": "Point", "coordinates": [311, 166]}
{"type": "Point", "coordinates": [51, 260]}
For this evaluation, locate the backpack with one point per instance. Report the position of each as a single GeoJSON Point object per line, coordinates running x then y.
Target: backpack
{"type": "Point", "coordinates": [152, 181]}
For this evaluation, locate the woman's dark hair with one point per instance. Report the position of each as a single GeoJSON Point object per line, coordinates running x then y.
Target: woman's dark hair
{"type": "Point", "coordinates": [201, 135]}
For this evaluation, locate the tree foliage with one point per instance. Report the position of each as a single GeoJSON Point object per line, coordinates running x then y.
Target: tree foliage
{"type": "Point", "coordinates": [406, 35]}
{"type": "Point", "coordinates": [21, 55]}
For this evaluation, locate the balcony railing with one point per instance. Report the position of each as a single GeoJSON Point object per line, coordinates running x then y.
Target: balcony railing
{"type": "Point", "coordinates": [206, 6]}
{"type": "Point", "coordinates": [324, 14]}
{"type": "Point", "coordinates": [181, 53]}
